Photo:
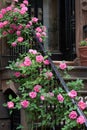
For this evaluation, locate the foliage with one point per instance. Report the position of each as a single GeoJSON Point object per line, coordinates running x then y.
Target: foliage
{"type": "Point", "coordinates": [83, 42]}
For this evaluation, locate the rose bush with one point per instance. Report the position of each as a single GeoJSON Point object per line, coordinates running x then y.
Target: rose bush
{"type": "Point", "coordinates": [39, 94]}
{"type": "Point", "coordinates": [17, 26]}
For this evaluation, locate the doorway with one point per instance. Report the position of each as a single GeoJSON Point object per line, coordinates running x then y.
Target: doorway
{"type": "Point", "coordinates": [59, 18]}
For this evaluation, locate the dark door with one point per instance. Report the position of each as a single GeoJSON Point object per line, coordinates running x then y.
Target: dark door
{"type": "Point", "coordinates": [61, 34]}
{"type": "Point", "coordinates": [67, 29]}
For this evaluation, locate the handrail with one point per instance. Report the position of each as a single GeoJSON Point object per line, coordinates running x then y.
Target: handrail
{"type": "Point", "coordinates": [59, 77]}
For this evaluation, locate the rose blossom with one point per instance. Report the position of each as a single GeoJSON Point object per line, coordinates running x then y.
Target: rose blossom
{"type": "Point", "coordinates": [25, 103]}
{"type": "Point", "coordinates": [49, 75]}
{"type": "Point", "coordinates": [1, 25]}
{"type": "Point", "coordinates": [42, 97]}
{"type": "Point", "coordinates": [73, 115]}
{"type": "Point", "coordinates": [80, 120]}
{"type": "Point", "coordinates": [3, 11]}
{"type": "Point", "coordinates": [32, 51]}
{"type": "Point", "coordinates": [43, 34]}
{"type": "Point", "coordinates": [62, 66]}
{"type": "Point", "coordinates": [10, 104]}
{"type": "Point", "coordinates": [32, 94]}
{"type": "Point", "coordinates": [9, 8]}
{"type": "Point", "coordinates": [40, 39]}
{"type": "Point", "coordinates": [17, 74]}
{"type": "Point", "coordinates": [14, 44]}
{"type": "Point", "coordinates": [1, 16]}
{"type": "Point", "coordinates": [24, 8]}
{"type": "Point", "coordinates": [22, 11]}
{"type": "Point", "coordinates": [38, 35]}
{"type": "Point", "coordinates": [34, 20]}
{"type": "Point", "coordinates": [60, 98]}
{"type": "Point", "coordinates": [27, 61]}
{"type": "Point", "coordinates": [25, 2]}
{"type": "Point", "coordinates": [51, 94]}
{"type": "Point", "coordinates": [20, 27]}
{"type": "Point", "coordinates": [5, 23]}
{"type": "Point", "coordinates": [37, 88]}
{"type": "Point", "coordinates": [72, 93]}
{"type": "Point", "coordinates": [27, 26]}
{"type": "Point", "coordinates": [39, 58]}
{"type": "Point", "coordinates": [18, 33]}
{"type": "Point", "coordinates": [20, 39]}
{"type": "Point", "coordinates": [44, 28]}
{"type": "Point", "coordinates": [38, 29]}
{"type": "Point", "coordinates": [82, 105]}
{"type": "Point", "coordinates": [46, 62]}
{"type": "Point", "coordinates": [5, 33]}
{"type": "Point", "coordinates": [21, 65]}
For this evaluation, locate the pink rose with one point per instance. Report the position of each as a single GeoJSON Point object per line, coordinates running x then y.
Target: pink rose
{"type": "Point", "coordinates": [82, 105]}
{"type": "Point", "coordinates": [43, 34]}
{"type": "Point", "coordinates": [39, 58]}
{"type": "Point", "coordinates": [37, 88]}
{"type": "Point", "coordinates": [73, 115]}
{"type": "Point", "coordinates": [14, 44]}
{"type": "Point", "coordinates": [30, 23]}
{"type": "Point", "coordinates": [27, 61]}
{"type": "Point", "coordinates": [27, 26]}
{"type": "Point", "coordinates": [9, 8]}
{"type": "Point", "coordinates": [40, 39]}
{"type": "Point", "coordinates": [22, 5]}
{"type": "Point", "coordinates": [32, 94]}
{"type": "Point", "coordinates": [1, 25]}
{"type": "Point", "coordinates": [5, 23]}
{"type": "Point", "coordinates": [49, 75]}
{"type": "Point", "coordinates": [34, 20]}
{"type": "Point", "coordinates": [24, 8]}
{"type": "Point", "coordinates": [46, 62]}
{"type": "Point", "coordinates": [18, 33]}
{"type": "Point", "coordinates": [21, 65]}
{"type": "Point", "coordinates": [51, 94]}
{"type": "Point", "coordinates": [20, 27]}
{"type": "Point", "coordinates": [20, 39]}
{"type": "Point", "coordinates": [10, 104]}
{"type": "Point", "coordinates": [22, 12]}
{"type": "Point", "coordinates": [42, 97]}
{"type": "Point", "coordinates": [72, 94]}
{"type": "Point", "coordinates": [5, 33]}
{"type": "Point", "coordinates": [25, 2]}
{"type": "Point", "coordinates": [3, 11]}
{"type": "Point", "coordinates": [62, 66]}
{"type": "Point", "coordinates": [38, 29]}
{"type": "Point", "coordinates": [38, 35]}
{"type": "Point", "coordinates": [1, 16]}
{"type": "Point", "coordinates": [60, 98]}
{"type": "Point", "coordinates": [80, 120]}
{"type": "Point", "coordinates": [44, 28]}
{"type": "Point", "coordinates": [25, 103]}
{"type": "Point", "coordinates": [32, 51]}
{"type": "Point", "coordinates": [17, 74]}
